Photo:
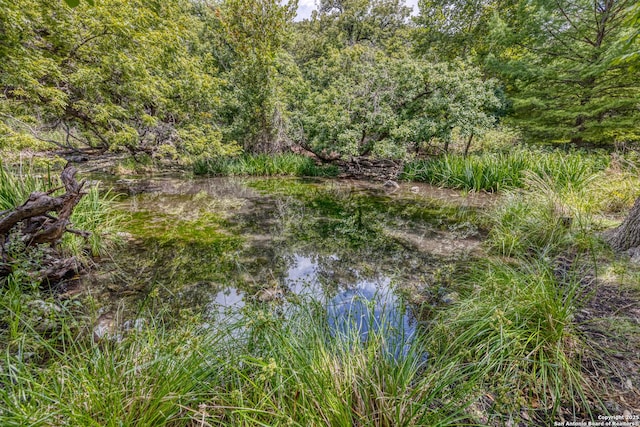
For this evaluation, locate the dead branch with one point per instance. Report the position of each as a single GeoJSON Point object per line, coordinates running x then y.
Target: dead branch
{"type": "Point", "coordinates": [44, 218]}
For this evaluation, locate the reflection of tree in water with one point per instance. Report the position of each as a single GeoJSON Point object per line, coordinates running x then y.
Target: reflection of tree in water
{"type": "Point", "coordinates": [190, 246]}
{"type": "Point", "coordinates": [342, 232]}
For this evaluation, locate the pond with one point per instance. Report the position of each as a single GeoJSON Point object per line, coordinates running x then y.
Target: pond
{"type": "Point", "coordinates": [215, 245]}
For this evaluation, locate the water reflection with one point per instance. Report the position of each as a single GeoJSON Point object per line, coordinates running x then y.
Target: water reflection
{"type": "Point", "coordinates": [359, 310]}
{"type": "Point", "coordinates": [230, 299]}
{"type": "Point", "coordinates": [216, 245]}
{"type": "Point", "coordinates": [371, 310]}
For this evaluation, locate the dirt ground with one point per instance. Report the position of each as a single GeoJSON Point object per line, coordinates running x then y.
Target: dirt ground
{"type": "Point", "coordinates": [610, 322]}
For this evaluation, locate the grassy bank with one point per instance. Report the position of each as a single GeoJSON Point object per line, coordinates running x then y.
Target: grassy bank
{"type": "Point", "coordinates": [511, 339]}
{"type": "Point", "coordinates": [263, 165]}
{"type": "Point", "coordinates": [495, 171]}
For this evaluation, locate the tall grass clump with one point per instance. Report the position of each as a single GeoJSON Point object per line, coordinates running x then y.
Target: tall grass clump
{"type": "Point", "coordinates": [287, 164]}
{"type": "Point", "coordinates": [261, 369]}
{"type": "Point", "coordinates": [298, 374]}
{"type": "Point", "coordinates": [94, 214]}
{"type": "Point", "coordinates": [515, 329]}
{"type": "Point", "coordinates": [546, 218]}
{"type": "Point", "coordinates": [528, 226]}
{"type": "Point", "coordinates": [495, 171]}
{"type": "Point", "coordinates": [18, 182]}
{"type": "Point", "coordinates": [483, 172]}
{"type": "Point", "coordinates": [151, 377]}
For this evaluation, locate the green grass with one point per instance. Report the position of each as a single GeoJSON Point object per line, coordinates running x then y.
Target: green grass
{"type": "Point", "coordinates": [512, 331]}
{"type": "Point", "coordinates": [263, 165]}
{"type": "Point", "coordinates": [260, 370]}
{"type": "Point", "coordinates": [152, 378]}
{"type": "Point", "coordinates": [299, 375]}
{"type": "Point", "coordinates": [496, 171]}
{"type": "Point", "coordinates": [515, 327]}
{"type": "Point", "coordinates": [18, 182]}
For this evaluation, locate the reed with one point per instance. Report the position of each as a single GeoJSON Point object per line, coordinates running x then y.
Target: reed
{"type": "Point", "coordinates": [287, 164]}
{"type": "Point", "coordinates": [496, 171]}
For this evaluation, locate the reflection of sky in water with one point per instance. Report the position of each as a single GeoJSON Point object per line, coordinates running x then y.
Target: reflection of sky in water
{"type": "Point", "coordinates": [355, 311]}
{"type": "Point", "coordinates": [304, 269]}
{"type": "Point", "coordinates": [371, 307]}
{"type": "Point", "coordinates": [302, 278]}
{"type": "Point", "coordinates": [227, 302]}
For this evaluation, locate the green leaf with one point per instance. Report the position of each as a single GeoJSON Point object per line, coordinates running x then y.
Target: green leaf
{"type": "Point", "coordinates": [91, 2]}
{"type": "Point", "coordinates": [72, 3]}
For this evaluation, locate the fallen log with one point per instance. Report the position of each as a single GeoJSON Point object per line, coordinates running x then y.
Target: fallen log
{"type": "Point", "coordinates": [369, 168]}
{"type": "Point", "coordinates": [43, 219]}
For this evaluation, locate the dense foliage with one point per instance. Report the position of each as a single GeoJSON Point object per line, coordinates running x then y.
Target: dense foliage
{"type": "Point", "coordinates": [117, 74]}
{"type": "Point", "coordinates": [360, 77]}
{"type": "Point", "coordinates": [560, 60]}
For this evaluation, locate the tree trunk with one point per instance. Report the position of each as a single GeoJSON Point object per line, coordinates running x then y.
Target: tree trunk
{"type": "Point", "coordinates": [627, 235]}
{"type": "Point", "coordinates": [468, 145]}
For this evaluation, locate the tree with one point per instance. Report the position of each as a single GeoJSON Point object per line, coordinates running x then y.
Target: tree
{"type": "Point", "coordinates": [359, 21]}
{"type": "Point", "coordinates": [631, 53]}
{"type": "Point", "coordinates": [627, 235]}
{"type": "Point", "coordinates": [120, 74]}
{"type": "Point", "coordinates": [558, 58]}
{"type": "Point", "coordinates": [255, 34]}
{"type": "Point", "coordinates": [366, 93]}
{"type": "Point", "coordinates": [338, 24]}
{"type": "Point", "coordinates": [365, 102]}
{"type": "Point", "coordinates": [450, 29]}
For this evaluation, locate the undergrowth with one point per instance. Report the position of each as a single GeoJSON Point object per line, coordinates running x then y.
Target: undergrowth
{"type": "Point", "coordinates": [515, 328]}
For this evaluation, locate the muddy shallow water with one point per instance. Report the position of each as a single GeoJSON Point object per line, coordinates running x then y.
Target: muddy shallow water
{"type": "Point", "coordinates": [214, 245]}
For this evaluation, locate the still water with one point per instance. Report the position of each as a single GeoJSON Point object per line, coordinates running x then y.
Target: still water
{"type": "Point", "coordinates": [216, 245]}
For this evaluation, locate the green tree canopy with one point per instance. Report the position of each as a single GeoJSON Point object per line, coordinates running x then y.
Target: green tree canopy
{"type": "Point", "coordinates": [559, 60]}
{"type": "Point", "coordinates": [119, 74]}
{"type": "Point", "coordinates": [257, 65]}
{"type": "Point", "coordinates": [362, 101]}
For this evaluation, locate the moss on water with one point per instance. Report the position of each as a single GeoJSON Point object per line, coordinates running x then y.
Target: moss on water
{"type": "Point", "coordinates": [184, 251]}
{"type": "Point", "coordinates": [204, 230]}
